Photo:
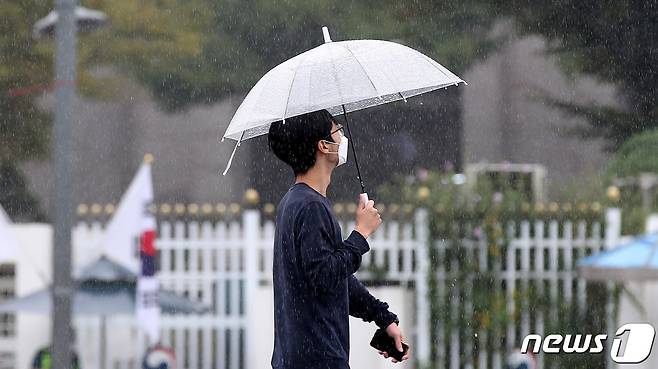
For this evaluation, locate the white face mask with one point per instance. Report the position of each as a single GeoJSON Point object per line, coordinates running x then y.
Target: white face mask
{"type": "Point", "coordinates": [342, 150]}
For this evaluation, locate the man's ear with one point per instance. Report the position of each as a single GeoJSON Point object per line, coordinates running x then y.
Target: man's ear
{"type": "Point", "coordinates": [323, 147]}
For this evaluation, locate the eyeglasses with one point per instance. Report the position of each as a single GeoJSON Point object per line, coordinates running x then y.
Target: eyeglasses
{"type": "Point", "coordinates": [340, 128]}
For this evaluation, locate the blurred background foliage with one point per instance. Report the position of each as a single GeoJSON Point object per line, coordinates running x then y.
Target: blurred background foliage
{"type": "Point", "coordinates": [215, 48]}
{"type": "Point", "coordinates": [466, 217]}
{"type": "Point", "coordinates": [635, 156]}
{"type": "Point", "coordinates": [24, 129]}
{"type": "Point", "coordinates": [200, 51]}
{"type": "Point", "coordinates": [612, 41]}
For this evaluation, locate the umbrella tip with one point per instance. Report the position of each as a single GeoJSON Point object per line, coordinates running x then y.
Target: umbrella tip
{"type": "Point", "coordinates": [325, 33]}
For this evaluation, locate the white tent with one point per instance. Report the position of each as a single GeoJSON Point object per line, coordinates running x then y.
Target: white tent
{"type": "Point", "coordinates": [8, 241]}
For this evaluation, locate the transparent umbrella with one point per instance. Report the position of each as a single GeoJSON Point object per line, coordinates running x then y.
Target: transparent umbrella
{"type": "Point", "coordinates": [341, 77]}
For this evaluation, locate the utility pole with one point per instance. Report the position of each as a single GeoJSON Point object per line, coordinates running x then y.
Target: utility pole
{"type": "Point", "coordinates": [65, 89]}
{"type": "Point", "coordinates": [65, 20]}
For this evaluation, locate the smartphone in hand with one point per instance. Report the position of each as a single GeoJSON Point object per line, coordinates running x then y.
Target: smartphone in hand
{"type": "Point", "coordinates": [383, 342]}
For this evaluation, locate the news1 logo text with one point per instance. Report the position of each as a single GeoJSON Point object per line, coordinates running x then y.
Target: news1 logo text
{"type": "Point", "coordinates": [632, 343]}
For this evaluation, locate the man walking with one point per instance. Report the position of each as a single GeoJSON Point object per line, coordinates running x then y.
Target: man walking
{"type": "Point", "coordinates": [315, 290]}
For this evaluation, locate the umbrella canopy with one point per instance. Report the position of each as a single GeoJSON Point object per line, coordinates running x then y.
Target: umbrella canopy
{"type": "Point", "coordinates": [636, 260]}
{"type": "Point", "coordinates": [341, 77]}
{"type": "Point", "coordinates": [104, 288]}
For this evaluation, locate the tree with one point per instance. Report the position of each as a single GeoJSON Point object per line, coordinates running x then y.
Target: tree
{"type": "Point", "coordinates": [635, 158]}
{"type": "Point", "coordinates": [637, 155]}
{"type": "Point", "coordinates": [158, 43]}
{"type": "Point", "coordinates": [145, 39]}
{"type": "Point", "coordinates": [15, 198]}
{"type": "Point", "coordinates": [24, 129]}
{"type": "Point", "coordinates": [613, 40]}
{"type": "Point", "coordinates": [244, 39]}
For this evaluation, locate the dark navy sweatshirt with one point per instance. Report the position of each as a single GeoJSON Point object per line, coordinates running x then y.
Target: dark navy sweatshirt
{"type": "Point", "coordinates": [315, 290]}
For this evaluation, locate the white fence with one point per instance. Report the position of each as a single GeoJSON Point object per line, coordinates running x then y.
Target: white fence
{"type": "Point", "coordinates": [540, 258]}
{"type": "Point", "coordinates": [221, 263]}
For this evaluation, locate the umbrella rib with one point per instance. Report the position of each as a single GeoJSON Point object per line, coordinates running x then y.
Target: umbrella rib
{"type": "Point", "coordinates": [362, 68]}
{"type": "Point", "coordinates": [429, 61]}
{"type": "Point", "coordinates": [292, 82]}
{"type": "Point", "coordinates": [335, 74]}
{"type": "Point", "coordinates": [230, 159]}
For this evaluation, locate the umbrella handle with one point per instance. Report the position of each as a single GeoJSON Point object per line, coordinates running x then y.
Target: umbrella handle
{"type": "Point", "coordinates": [364, 196]}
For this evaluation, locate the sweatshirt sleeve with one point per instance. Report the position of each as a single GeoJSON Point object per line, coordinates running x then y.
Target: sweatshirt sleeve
{"type": "Point", "coordinates": [365, 306]}
{"type": "Point", "coordinates": [323, 263]}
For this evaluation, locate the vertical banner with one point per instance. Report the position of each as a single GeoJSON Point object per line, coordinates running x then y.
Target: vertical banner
{"type": "Point", "coordinates": [147, 302]}
{"type": "Point", "coordinates": [148, 309]}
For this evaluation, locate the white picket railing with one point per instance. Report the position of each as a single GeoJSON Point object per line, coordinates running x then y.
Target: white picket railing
{"type": "Point", "coordinates": [539, 253]}
{"type": "Point", "coordinates": [221, 263]}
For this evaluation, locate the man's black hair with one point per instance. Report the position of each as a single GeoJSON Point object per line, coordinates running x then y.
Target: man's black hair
{"type": "Point", "coordinates": [295, 141]}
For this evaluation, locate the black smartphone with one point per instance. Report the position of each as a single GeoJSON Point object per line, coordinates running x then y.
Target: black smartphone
{"type": "Point", "coordinates": [383, 342]}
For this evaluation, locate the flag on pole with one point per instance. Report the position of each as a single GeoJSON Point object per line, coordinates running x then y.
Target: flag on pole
{"type": "Point", "coordinates": [121, 241]}
{"type": "Point", "coordinates": [129, 240]}
{"type": "Point", "coordinates": [8, 241]}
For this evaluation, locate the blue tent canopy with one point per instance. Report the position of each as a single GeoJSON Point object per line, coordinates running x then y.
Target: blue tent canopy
{"type": "Point", "coordinates": [104, 288]}
{"type": "Point", "coordinates": [636, 260]}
